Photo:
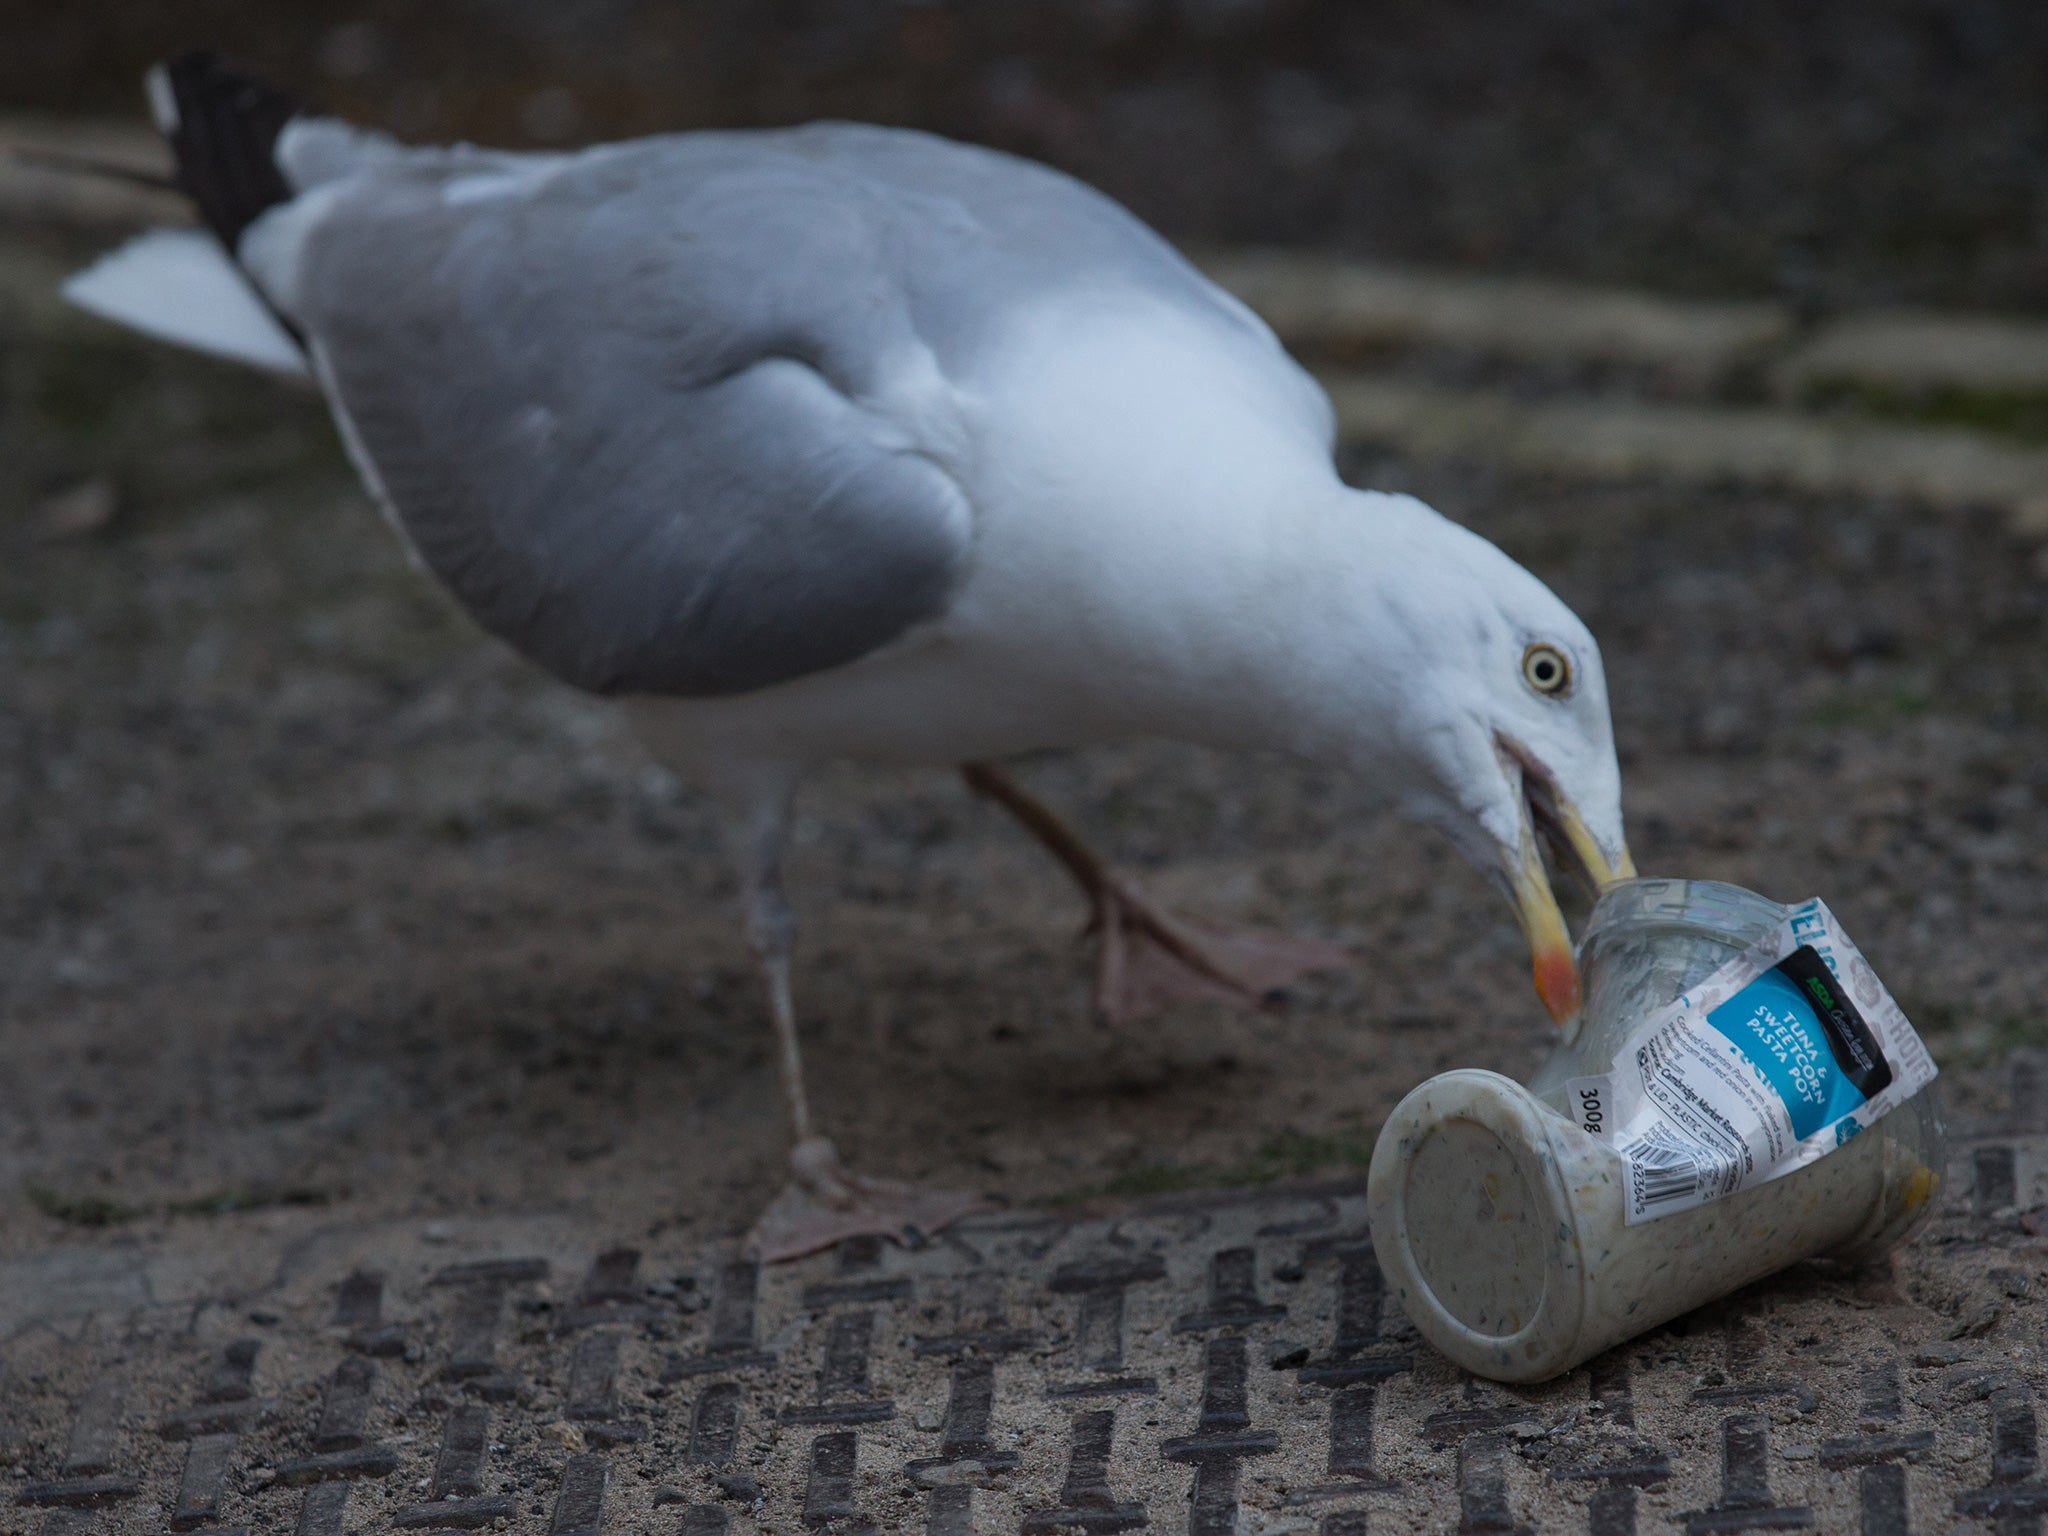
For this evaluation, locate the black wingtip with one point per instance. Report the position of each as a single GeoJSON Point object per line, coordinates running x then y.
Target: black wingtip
{"type": "Point", "coordinates": [222, 124]}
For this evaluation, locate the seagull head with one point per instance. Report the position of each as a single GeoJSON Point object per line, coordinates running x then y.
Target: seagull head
{"type": "Point", "coordinates": [1505, 732]}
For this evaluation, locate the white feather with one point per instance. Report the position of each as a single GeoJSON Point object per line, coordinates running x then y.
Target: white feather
{"type": "Point", "coordinates": [179, 285]}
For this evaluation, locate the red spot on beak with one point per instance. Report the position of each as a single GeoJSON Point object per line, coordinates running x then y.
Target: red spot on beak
{"type": "Point", "coordinates": [1557, 982]}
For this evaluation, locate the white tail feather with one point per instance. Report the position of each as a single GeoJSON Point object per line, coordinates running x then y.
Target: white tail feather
{"type": "Point", "coordinates": [179, 285]}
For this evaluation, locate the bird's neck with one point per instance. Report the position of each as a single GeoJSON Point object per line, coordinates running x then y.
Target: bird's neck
{"type": "Point", "coordinates": [1216, 582]}
{"type": "Point", "coordinates": [1309, 654]}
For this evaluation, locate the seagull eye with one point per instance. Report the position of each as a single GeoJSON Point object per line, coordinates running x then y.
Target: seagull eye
{"type": "Point", "coordinates": [1546, 669]}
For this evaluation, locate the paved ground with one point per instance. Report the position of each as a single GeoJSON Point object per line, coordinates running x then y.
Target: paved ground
{"type": "Point", "coordinates": [1207, 1363]}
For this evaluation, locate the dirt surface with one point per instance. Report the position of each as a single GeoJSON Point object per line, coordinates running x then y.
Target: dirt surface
{"type": "Point", "coordinates": [318, 902]}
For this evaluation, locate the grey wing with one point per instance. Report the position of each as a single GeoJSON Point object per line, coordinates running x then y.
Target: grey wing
{"type": "Point", "coordinates": [644, 456]}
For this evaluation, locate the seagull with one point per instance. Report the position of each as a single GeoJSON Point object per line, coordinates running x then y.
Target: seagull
{"type": "Point", "coordinates": [841, 442]}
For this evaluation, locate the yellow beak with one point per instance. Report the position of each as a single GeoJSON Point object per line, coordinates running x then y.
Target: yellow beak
{"type": "Point", "coordinates": [1550, 942]}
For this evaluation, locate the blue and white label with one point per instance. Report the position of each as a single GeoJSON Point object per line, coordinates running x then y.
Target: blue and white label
{"type": "Point", "coordinates": [1776, 1059]}
{"type": "Point", "coordinates": [1776, 1032]}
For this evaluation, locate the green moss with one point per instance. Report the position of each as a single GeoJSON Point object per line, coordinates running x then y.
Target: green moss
{"type": "Point", "coordinates": [228, 1201]}
{"type": "Point", "coordinates": [1986, 1043]}
{"type": "Point", "coordinates": [1296, 1154]}
{"type": "Point", "coordinates": [1930, 1016]}
{"type": "Point", "coordinates": [98, 1211]}
{"type": "Point", "coordinates": [2028, 1032]}
{"type": "Point", "coordinates": [1144, 1180]}
{"type": "Point", "coordinates": [1960, 1039]}
{"type": "Point", "coordinates": [1870, 706]}
{"type": "Point", "coordinates": [2020, 413]}
{"type": "Point", "coordinates": [79, 1210]}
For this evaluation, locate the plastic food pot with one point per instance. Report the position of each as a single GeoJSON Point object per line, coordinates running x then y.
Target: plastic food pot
{"type": "Point", "coordinates": [1500, 1224]}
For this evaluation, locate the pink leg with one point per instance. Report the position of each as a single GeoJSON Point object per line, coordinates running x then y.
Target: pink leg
{"type": "Point", "coordinates": [1148, 957]}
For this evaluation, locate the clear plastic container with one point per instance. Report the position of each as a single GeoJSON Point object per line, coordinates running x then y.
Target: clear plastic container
{"type": "Point", "coordinates": [1501, 1225]}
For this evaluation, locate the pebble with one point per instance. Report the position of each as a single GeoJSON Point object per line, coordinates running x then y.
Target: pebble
{"type": "Point", "coordinates": [743, 1489]}
{"type": "Point", "coordinates": [566, 1435]}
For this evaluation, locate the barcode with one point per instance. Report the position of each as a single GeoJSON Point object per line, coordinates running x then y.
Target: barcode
{"type": "Point", "coordinates": [1665, 1167]}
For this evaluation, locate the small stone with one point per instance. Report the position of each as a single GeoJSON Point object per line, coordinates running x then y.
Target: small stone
{"type": "Point", "coordinates": [566, 1435]}
{"type": "Point", "coordinates": [743, 1490]}
{"type": "Point", "coordinates": [1930, 1355]}
{"type": "Point", "coordinates": [948, 1474]}
{"type": "Point", "coordinates": [1285, 1354]}
{"type": "Point", "coordinates": [262, 1318]}
{"type": "Point", "coordinates": [1800, 1452]}
{"type": "Point", "coordinates": [667, 1494]}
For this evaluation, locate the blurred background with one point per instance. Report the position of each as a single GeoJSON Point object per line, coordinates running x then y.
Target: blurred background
{"type": "Point", "coordinates": [1725, 316]}
{"type": "Point", "coordinates": [1838, 151]}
